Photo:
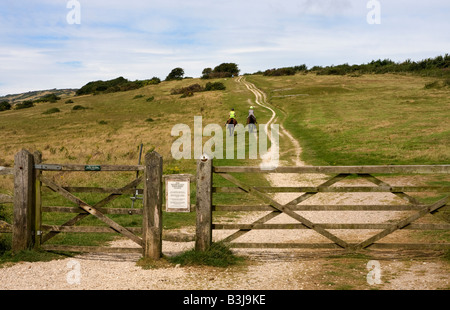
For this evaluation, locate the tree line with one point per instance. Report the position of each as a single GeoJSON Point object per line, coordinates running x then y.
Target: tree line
{"type": "Point", "coordinates": [439, 64]}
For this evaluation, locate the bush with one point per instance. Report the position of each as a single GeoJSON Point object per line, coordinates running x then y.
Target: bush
{"type": "Point", "coordinates": [24, 105]}
{"type": "Point", "coordinates": [218, 255]}
{"type": "Point", "coordinates": [115, 85]}
{"type": "Point", "coordinates": [4, 106]}
{"type": "Point", "coordinates": [214, 86]}
{"type": "Point", "coordinates": [78, 108]}
{"type": "Point", "coordinates": [187, 91]}
{"type": "Point", "coordinates": [48, 98]}
{"type": "Point", "coordinates": [434, 84]}
{"type": "Point", "coordinates": [69, 101]}
{"type": "Point", "coordinates": [52, 111]}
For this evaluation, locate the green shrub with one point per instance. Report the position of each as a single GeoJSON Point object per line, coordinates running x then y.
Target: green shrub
{"type": "Point", "coordinates": [52, 111]}
{"type": "Point", "coordinates": [138, 96]}
{"type": "Point", "coordinates": [115, 85]}
{"type": "Point", "coordinates": [48, 98]}
{"type": "Point", "coordinates": [218, 255]}
{"type": "Point", "coordinates": [24, 105]}
{"type": "Point", "coordinates": [78, 108]}
{"type": "Point", "coordinates": [214, 86]}
{"type": "Point", "coordinates": [69, 101]}
{"type": "Point", "coordinates": [102, 122]}
{"type": "Point", "coordinates": [4, 106]}
{"type": "Point", "coordinates": [187, 91]}
{"type": "Point", "coordinates": [149, 99]}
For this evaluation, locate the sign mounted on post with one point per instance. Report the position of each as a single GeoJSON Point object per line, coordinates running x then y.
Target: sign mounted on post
{"type": "Point", "coordinates": [178, 193]}
{"type": "Point", "coordinates": [92, 168]}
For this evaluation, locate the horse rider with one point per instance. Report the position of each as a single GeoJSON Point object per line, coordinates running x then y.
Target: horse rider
{"type": "Point", "coordinates": [232, 114]}
{"type": "Point", "coordinates": [252, 126]}
{"type": "Point", "coordinates": [250, 112]}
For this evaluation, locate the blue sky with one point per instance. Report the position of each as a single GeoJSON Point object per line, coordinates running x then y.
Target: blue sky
{"type": "Point", "coordinates": [140, 39]}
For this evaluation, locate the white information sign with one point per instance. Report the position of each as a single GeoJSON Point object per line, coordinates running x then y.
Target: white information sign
{"type": "Point", "coordinates": [178, 194]}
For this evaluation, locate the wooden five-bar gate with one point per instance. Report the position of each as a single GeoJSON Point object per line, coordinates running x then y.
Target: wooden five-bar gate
{"type": "Point", "coordinates": [205, 206]}
{"type": "Point", "coordinates": [29, 232]}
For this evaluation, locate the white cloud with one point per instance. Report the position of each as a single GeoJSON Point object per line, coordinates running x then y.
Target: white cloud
{"type": "Point", "coordinates": [141, 39]}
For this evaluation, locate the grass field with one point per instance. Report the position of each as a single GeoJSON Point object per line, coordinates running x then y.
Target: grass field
{"type": "Point", "coordinates": [364, 120]}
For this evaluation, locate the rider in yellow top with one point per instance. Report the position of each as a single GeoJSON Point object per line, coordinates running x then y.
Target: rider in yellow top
{"type": "Point", "coordinates": [232, 114]}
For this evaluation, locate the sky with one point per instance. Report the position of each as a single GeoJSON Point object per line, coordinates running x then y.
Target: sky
{"type": "Point", "coordinates": [46, 44]}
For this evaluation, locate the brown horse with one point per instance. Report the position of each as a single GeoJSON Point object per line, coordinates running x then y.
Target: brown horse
{"type": "Point", "coordinates": [231, 123]}
{"type": "Point", "coordinates": [251, 122]}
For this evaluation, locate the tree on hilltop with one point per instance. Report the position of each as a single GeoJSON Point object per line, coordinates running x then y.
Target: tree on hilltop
{"type": "Point", "coordinates": [175, 74]}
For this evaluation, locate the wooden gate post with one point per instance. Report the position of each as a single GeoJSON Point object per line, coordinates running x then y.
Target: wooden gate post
{"type": "Point", "coordinates": [37, 210]}
{"type": "Point", "coordinates": [203, 208]}
{"type": "Point", "coordinates": [24, 187]}
{"type": "Point", "coordinates": [152, 206]}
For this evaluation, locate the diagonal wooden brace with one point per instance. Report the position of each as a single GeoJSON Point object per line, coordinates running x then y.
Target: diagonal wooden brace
{"type": "Point", "coordinates": [92, 210]}
{"type": "Point", "coordinates": [286, 210]}
{"type": "Point", "coordinates": [276, 212]}
{"type": "Point", "coordinates": [403, 223]}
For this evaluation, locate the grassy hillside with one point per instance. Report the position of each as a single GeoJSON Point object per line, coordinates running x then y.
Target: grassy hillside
{"type": "Point", "coordinates": [111, 126]}
{"type": "Point", "coordinates": [362, 120]}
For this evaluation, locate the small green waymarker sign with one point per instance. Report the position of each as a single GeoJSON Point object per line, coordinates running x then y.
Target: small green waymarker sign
{"type": "Point", "coordinates": [92, 168]}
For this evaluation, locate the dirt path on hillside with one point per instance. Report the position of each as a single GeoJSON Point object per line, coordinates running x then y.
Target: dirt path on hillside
{"type": "Point", "coordinates": [267, 269]}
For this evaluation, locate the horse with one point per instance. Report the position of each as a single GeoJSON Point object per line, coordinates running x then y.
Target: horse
{"type": "Point", "coordinates": [231, 123]}
{"type": "Point", "coordinates": [251, 122]}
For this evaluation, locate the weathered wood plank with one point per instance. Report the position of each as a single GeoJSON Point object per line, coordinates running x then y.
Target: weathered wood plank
{"type": "Point", "coordinates": [337, 189]}
{"type": "Point", "coordinates": [368, 226]}
{"type": "Point", "coordinates": [409, 169]}
{"type": "Point", "coordinates": [409, 246]}
{"type": "Point", "coordinates": [37, 194]}
{"type": "Point", "coordinates": [99, 190]}
{"type": "Point", "coordinates": [404, 246]}
{"type": "Point", "coordinates": [23, 222]}
{"type": "Point", "coordinates": [250, 245]}
{"type": "Point", "coordinates": [203, 207]}
{"type": "Point", "coordinates": [87, 229]}
{"type": "Point", "coordinates": [90, 249]}
{"type": "Point", "coordinates": [128, 211]}
{"type": "Point", "coordinates": [409, 207]}
{"type": "Point", "coordinates": [152, 206]}
{"type": "Point", "coordinates": [73, 167]}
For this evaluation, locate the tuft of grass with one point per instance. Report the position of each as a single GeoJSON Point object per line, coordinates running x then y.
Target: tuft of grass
{"type": "Point", "coordinates": [52, 111]}
{"type": "Point", "coordinates": [148, 263]}
{"type": "Point", "coordinates": [78, 107]}
{"type": "Point", "coordinates": [218, 255]}
{"type": "Point", "coordinates": [29, 256]}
